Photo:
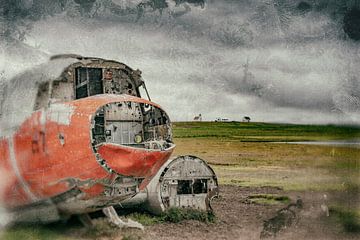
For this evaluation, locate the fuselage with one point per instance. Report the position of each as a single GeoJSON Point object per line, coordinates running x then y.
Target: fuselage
{"type": "Point", "coordinates": [96, 146]}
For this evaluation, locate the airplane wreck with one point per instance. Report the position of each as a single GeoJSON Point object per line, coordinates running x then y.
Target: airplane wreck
{"type": "Point", "coordinates": [77, 137]}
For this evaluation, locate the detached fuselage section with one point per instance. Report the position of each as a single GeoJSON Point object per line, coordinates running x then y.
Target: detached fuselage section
{"type": "Point", "coordinates": [76, 137]}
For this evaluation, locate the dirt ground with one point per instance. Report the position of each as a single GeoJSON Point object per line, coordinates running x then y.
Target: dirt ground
{"type": "Point", "coordinates": [239, 219]}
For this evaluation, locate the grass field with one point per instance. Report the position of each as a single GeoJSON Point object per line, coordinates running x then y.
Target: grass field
{"type": "Point", "coordinates": [256, 155]}
{"type": "Point", "coordinates": [263, 132]}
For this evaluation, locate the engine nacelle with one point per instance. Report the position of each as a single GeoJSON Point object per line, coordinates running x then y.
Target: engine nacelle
{"type": "Point", "coordinates": [182, 182]}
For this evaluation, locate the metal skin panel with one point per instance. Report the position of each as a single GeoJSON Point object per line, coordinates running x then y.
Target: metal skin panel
{"type": "Point", "coordinates": [133, 161]}
{"type": "Point", "coordinates": [52, 154]}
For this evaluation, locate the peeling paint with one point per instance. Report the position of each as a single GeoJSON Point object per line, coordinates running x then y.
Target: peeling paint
{"type": "Point", "coordinates": [61, 113]}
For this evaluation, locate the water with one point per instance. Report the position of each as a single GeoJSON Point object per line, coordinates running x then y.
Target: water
{"type": "Point", "coordinates": [339, 143]}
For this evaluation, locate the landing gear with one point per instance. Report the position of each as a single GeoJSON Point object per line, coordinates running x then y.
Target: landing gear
{"type": "Point", "coordinates": [115, 219]}
{"type": "Point", "coordinates": [112, 217]}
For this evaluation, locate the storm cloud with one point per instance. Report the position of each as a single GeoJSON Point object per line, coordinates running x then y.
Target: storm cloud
{"type": "Point", "coordinates": [282, 61]}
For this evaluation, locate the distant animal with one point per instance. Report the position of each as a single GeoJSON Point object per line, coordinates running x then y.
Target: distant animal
{"type": "Point", "coordinates": [198, 118]}
{"type": "Point", "coordinates": [246, 119]}
{"type": "Point", "coordinates": [222, 119]}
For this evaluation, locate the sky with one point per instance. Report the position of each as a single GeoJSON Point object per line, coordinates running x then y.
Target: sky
{"type": "Point", "coordinates": [272, 60]}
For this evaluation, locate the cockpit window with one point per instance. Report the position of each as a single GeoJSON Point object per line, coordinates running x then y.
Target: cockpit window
{"type": "Point", "coordinates": [81, 80]}
{"type": "Point", "coordinates": [117, 81]}
{"type": "Point", "coordinates": [88, 82]}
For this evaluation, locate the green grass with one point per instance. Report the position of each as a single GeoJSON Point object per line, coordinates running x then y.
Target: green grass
{"type": "Point", "coordinates": [145, 218]}
{"type": "Point", "coordinates": [173, 215]}
{"type": "Point", "coordinates": [263, 132]}
{"type": "Point", "coordinates": [242, 154]}
{"type": "Point", "coordinates": [103, 229]}
{"type": "Point", "coordinates": [32, 233]}
{"type": "Point", "coordinates": [348, 218]}
{"type": "Point", "coordinates": [176, 215]}
{"type": "Point", "coordinates": [289, 179]}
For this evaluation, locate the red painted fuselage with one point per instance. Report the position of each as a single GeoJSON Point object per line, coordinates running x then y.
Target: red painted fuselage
{"type": "Point", "coordinates": [52, 152]}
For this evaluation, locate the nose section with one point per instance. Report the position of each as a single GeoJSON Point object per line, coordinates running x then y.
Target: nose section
{"type": "Point", "coordinates": [131, 123]}
{"type": "Point", "coordinates": [131, 138]}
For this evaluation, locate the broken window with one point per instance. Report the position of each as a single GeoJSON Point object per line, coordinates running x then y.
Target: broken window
{"type": "Point", "coordinates": [118, 81]}
{"type": "Point", "coordinates": [88, 82]}
{"type": "Point", "coordinates": [184, 187]}
{"type": "Point", "coordinates": [200, 186]}
{"type": "Point", "coordinates": [99, 128]}
{"type": "Point", "coordinates": [195, 186]}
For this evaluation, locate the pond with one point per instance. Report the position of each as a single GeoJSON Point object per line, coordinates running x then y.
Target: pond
{"type": "Point", "coordinates": [338, 143]}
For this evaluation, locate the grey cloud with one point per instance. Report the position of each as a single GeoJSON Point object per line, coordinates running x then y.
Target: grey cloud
{"type": "Point", "coordinates": [301, 68]}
